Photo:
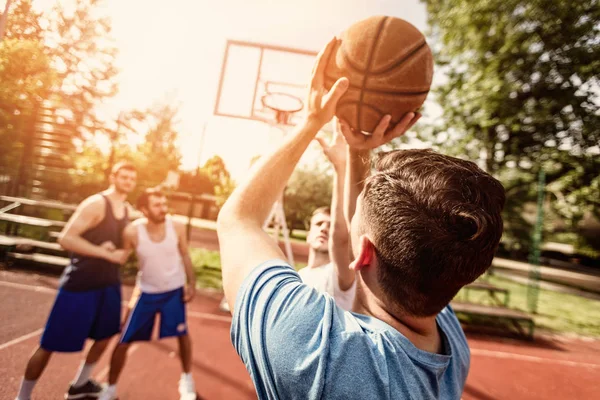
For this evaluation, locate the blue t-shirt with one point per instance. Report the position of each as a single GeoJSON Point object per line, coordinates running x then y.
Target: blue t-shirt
{"type": "Point", "coordinates": [297, 344]}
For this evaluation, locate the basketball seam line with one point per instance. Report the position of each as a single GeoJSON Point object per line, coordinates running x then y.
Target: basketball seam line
{"type": "Point", "coordinates": [396, 64]}
{"type": "Point", "coordinates": [402, 60]}
{"type": "Point", "coordinates": [377, 91]}
{"type": "Point", "coordinates": [364, 105]}
{"type": "Point", "coordinates": [369, 63]}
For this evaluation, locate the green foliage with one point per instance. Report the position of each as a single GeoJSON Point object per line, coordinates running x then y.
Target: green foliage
{"type": "Point", "coordinates": [559, 312]}
{"type": "Point", "coordinates": [307, 189]}
{"type": "Point", "coordinates": [520, 93]}
{"type": "Point", "coordinates": [220, 178]}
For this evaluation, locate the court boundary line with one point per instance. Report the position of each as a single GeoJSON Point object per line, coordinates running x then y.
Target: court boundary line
{"type": "Point", "coordinates": [524, 357]}
{"type": "Point", "coordinates": [21, 339]}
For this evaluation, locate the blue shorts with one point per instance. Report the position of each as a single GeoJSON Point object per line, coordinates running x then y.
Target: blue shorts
{"type": "Point", "coordinates": [76, 316]}
{"type": "Point", "coordinates": [171, 308]}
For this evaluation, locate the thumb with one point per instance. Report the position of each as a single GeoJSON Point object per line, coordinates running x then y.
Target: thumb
{"type": "Point", "coordinates": [337, 91]}
{"type": "Point", "coordinates": [322, 142]}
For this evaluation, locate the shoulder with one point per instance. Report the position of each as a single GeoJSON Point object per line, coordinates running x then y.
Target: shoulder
{"type": "Point", "coordinates": [93, 206]}
{"type": "Point", "coordinates": [178, 226]}
{"type": "Point", "coordinates": [95, 201]}
{"type": "Point", "coordinates": [132, 227]}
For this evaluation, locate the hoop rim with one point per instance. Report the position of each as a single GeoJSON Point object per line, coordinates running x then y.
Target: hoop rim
{"type": "Point", "coordinates": [264, 100]}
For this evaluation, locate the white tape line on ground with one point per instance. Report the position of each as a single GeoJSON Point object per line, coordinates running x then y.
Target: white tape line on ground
{"type": "Point", "coordinates": [202, 315]}
{"type": "Point", "coordinates": [33, 288]}
{"type": "Point", "coordinates": [514, 356]}
{"type": "Point", "coordinates": [21, 339]}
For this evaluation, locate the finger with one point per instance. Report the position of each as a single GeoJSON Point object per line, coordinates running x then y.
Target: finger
{"type": "Point", "coordinates": [331, 99]}
{"type": "Point", "coordinates": [402, 126]}
{"type": "Point", "coordinates": [352, 137]}
{"type": "Point", "coordinates": [321, 64]}
{"type": "Point", "coordinates": [322, 142]}
{"type": "Point", "coordinates": [414, 120]}
{"type": "Point", "coordinates": [381, 128]}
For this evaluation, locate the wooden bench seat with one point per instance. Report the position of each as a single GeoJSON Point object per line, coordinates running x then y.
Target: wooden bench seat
{"type": "Point", "coordinates": [493, 292]}
{"type": "Point", "coordinates": [38, 258]}
{"type": "Point", "coordinates": [522, 321]}
{"type": "Point", "coordinates": [32, 221]}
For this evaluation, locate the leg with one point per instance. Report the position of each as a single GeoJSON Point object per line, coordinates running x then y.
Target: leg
{"type": "Point", "coordinates": [35, 366]}
{"type": "Point", "coordinates": [117, 361]}
{"type": "Point", "coordinates": [37, 363]}
{"type": "Point", "coordinates": [86, 368]}
{"type": "Point", "coordinates": [96, 351]}
{"type": "Point", "coordinates": [185, 353]}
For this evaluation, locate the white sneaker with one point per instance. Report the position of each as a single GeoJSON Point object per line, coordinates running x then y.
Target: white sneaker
{"type": "Point", "coordinates": [109, 393]}
{"type": "Point", "coordinates": [187, 389]}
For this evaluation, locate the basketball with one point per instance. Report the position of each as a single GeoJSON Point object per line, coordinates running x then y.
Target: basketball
{"type": "Point", "coordinates": [390, 67]}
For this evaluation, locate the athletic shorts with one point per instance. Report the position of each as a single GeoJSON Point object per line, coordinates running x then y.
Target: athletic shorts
{"type": "Point", "coordinates": [171, 308]}
{"type": "Point", "coordinates": [76, 316]}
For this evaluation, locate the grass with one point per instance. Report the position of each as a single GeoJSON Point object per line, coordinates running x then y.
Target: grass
{"type": "Point", "coordinates": [558, 312]}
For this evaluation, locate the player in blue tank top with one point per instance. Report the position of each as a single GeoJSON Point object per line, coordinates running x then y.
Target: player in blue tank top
{"type": "Point", "coordinates": [422, 225]}
{"type": "Point", "coordinates": [88, 303]}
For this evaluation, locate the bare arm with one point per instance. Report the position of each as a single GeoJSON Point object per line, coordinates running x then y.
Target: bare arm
{"type": "Point", "coordinates": [339, 238]}
{"type": "Point", "coordinates": [87, 215]}
{"type": "Point", "coordinates": [187, 261]}
{"type": "Point", "coordinates": [243, 243]}
{"type": "Point", "coordinates": [358, 164]}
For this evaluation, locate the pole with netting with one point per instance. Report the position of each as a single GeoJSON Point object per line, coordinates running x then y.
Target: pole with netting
{"type": "Point", "coordinates": [533, 289]}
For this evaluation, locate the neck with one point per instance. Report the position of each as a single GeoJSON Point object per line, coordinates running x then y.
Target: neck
{"type": "Point", "coordinates": [317, 258]}
{"type": "Point", "coordinates": [154, 226]}
{"type": "Point", "coordinates": [115, 195]}
{"type": "Point", "coordinates": [421, 331]}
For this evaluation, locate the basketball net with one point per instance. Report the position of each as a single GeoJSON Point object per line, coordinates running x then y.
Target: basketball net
{"type": "Point", "coordinates": [276, 217]}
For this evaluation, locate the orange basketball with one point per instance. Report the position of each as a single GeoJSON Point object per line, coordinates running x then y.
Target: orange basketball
{"type": "Point", "coordinates": [390, 67]}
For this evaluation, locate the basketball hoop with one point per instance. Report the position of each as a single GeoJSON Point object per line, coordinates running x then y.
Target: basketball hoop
{"type": "Point", "coordinates": [284, 105]}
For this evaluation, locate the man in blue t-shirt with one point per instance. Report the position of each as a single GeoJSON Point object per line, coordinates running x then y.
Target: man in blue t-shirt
{"type": "Point", "coordinates": [421, 226]}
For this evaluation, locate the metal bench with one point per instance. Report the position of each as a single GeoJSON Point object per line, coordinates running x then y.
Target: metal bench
{"type": "Point", "coordinates": [520, 320]}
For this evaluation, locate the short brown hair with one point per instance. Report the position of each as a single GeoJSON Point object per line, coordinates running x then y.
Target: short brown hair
{"type": "Point", "coordinates": [321, 210]}
{"type": "Point", "coordinates": [126, 165]}
{"type": "Point", "coordinates": [435, 222]}
{"type": "Point", "coordinates": [144, 198]}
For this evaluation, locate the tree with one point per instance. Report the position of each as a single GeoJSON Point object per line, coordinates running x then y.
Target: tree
{"type": "Point", "coordinates": [521, 93]}
{"type": "Point", "coordinates": [307, 189]}
{"type": "Point", "coordinates": [220, 178]}
{"type": "Point", "coordinates": [79, 43]}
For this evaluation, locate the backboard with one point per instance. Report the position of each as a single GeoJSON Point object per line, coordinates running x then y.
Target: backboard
{"type": "Point", "coordinates": [251, 70]}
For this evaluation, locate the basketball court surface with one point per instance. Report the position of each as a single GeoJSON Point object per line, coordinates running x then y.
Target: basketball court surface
{"type": "Point", "coordinates": [549, 368]}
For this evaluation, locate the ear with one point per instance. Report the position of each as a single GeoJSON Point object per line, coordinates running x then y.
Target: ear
{"type": "Point", "coordinates": [365, 256]}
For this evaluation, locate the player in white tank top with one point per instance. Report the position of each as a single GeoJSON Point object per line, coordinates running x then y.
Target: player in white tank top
{"type": "Point", "coordinates": [160, 264]}
{"type": "Point", "coordinates": [166, 281]}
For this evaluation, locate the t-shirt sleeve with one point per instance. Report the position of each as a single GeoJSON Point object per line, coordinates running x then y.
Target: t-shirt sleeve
{"type": "Point", "coordinates": [281, 331]}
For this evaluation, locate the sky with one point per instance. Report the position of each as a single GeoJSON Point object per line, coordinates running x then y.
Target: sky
{"type": "Point", "coordinates": [174, 51]}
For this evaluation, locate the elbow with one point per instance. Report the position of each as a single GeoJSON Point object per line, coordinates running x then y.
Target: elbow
{"type": "Point", "coordinates": [225, 219]}
{"type": "Point", "coordinates": [62, 240]}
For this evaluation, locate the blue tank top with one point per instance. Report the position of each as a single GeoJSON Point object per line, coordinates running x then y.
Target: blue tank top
{"type": "Point", "coordinates": [91, 273]}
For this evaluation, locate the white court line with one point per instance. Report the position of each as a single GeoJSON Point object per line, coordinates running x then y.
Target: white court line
{"type": "Point", "coordinates": [202, 315]}
{"type": "Point", "coordinates": [101, 377]}
{"type": "Point", "coordinates": [514, 356]}
{"type": "Point", "coordinates": [33, 288]}
{"type": "Point", "coordinates": [43, 289]}
{"type": "Point", "coordinates": [21, 339]}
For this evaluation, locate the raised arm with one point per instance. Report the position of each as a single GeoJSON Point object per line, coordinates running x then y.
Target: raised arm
{"type": "Point", "coordinates": [243, 243]}
{"type": "Point", "coordinates": [87, 215]}
{"type": "Point", "coordinates": [358, 164]}
{"type": "Point", "coordinates": [182, 243]}
{"type": "Point", "coordinates": [339, 238]}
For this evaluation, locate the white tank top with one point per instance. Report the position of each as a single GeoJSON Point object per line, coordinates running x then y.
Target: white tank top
{"type": "Point", "coordinates": [160, 264]}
